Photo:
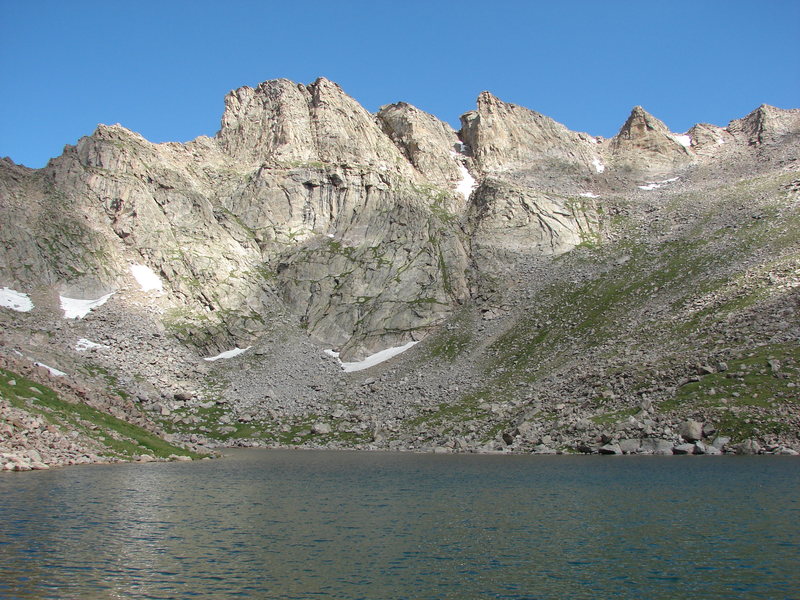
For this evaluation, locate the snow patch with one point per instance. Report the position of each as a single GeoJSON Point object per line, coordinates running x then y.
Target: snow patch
{"type": "Point", "coordinates": [54, 372]}
{"type": "Point", "coordinates": [373, 359]}
{"type": "Point", "coordinates": [15, 300]}
{"type": "Point", "coordinates": [598, 165]}
{"type": "Point", "coordinates": [684, 140]}
{"type": "Point", "coordinates": [146, 278]}
{"type": "Point", "coordinates": [228, 354]}
{"type": "Point", "coordinates": [467, 184]}
{"type": "Point", "coordinates": [654, 185]}
{"type": "Point", "coordinates": [589, 195]}
{"type": "Point", "coordinates": [83, 345]}
{"type": "Point", "coordinates": [76, 308]}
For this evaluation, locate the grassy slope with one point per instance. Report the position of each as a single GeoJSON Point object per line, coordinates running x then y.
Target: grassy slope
{"type": "Point", "coordinates": [120, 438]}
{"type": "Point", "coordinates": [707, 291]}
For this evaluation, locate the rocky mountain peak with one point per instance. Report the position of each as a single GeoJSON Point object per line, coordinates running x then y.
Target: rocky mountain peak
{"type": "Point", "coordinates": [641, 126]}
{"type": "Point", "coordinates": [308, 223]}
{"type": "Point", "coordinates": [646, 143]}
{"type": "Point", "coordinates": [506, 137]}
{"type": "Point", "coordinates": [428, 143]}
{"type": "Point", "coordinates": [766, 123]}
{"type": "Point", "coordinates": [282, 123]}
{"type": "Point", "coordinates": [323, 87]}
{"type": "Point", "coordinates": [486, 100]}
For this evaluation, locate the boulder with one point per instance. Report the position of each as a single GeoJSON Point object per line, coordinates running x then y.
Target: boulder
{"type": "Point", "coordinates": [749, 446]}
{"type": "Point", "coordinates": [784, 451]}
{"type": "Point", "coordinates": [543, 449]}
{"type": "Point", "coordinates": [320, 428]}
{"type": "Point", "coordinates": [683, 449]}
{"type": "Point", "coordinates": [630, 446]}
{"type": "Point", "coordinates": [610, 449]}
{"type": "Point", "coordinates": [691, 431]}
{"type": "Point", "coordinates": [656, 446]}
{"type": "Point", "coordinates": [720, 442]}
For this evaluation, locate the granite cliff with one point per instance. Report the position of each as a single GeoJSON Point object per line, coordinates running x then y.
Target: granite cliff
{"type": "Point", "coordinates": [568, 292]}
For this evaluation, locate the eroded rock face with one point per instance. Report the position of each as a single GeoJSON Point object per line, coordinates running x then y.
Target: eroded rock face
{"type": "Point", "coordinates": [644, 143]}
{"type": "Point", "coordinates": [765, 124]}
{"type": "Point", "coordinates": [707, 139]}
{"type": "Point", "coordinates": [366, 230]}
{"type": "Point", "coordinates": [284, 123]}
{"type": "Point", "coordinates": [512, 217]}
{"type": "Point", "coordinates": [428, 143]}
{"type": "Point", "coordinates": [301, 203]}
{"type": "Point", "coordinates": [380, 263]}
{"type": "Point", "coordinates": [504, 137]}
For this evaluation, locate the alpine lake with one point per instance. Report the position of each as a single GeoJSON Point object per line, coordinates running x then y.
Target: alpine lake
{"type": "Point", "coordinates": [283, 524]}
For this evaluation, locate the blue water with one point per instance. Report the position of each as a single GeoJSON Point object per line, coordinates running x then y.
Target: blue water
{"type": "Point", "coordinates": [347, 525]}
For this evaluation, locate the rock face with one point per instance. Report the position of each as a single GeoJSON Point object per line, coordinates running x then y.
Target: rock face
{"type": "Point", "coordinates": [300, 198]}
{"type": "Point", "coordinates": [560, 283]}
{"type": "Point", "coordinates": [766, 124]}
{"type": "Point", "coordinates": [429, 144]}
{"type": "Point", "coordinates": [508, 216]}
{"type": "Point", "coordinates": [355, 223]}
{"type": "Point", "coordinates": [282, 122]}
{"type": "Point", "coordinates": [505, 137]}
{"type": "Point", "coordinates": [645, 143]}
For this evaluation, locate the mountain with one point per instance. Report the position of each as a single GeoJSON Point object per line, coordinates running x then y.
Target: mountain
{"type": "Point", "coordinates": [562, 292]}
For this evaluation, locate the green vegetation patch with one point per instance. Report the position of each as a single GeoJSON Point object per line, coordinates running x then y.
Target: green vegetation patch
{"type": "Point", "coordinates": [449, 345]}
{"type": "Point", "coordinates": [122, 439]}
{"type": "Point", "coordinates": [112, 384]}
{"type": "Point", "coordinates": [751, 397]}
{"type": "Point", "coordinates": [616, 416]}
{"type": "Point", "coordinates": [766, 377]}
{"type": "Point", "coordinates": [287, 431]}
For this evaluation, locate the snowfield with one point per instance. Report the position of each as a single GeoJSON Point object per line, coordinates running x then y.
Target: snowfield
{"type": "Point", "coordinates": [654, 185]}
{"type": "Point", "coordinates": [684, 140]}
{"type": "Point", "coordinates": [372, 359]}
{"type": "Point", "coordinates": [467, 183]}
{"type": "Point", "coordinates": [76, 308]}
{"type": "Point", "coordinates": [83, 345]}
{"type": "Point", "coordinates": [53, 371]}
{"type": "Point", "coordinates": [146, 278]}
{"type": "Point", "coordinates": [15, 300]}
{"type": "Point", "coordinates": [228, 354]}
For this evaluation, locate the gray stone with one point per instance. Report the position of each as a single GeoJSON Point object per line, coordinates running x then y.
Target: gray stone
{"type": "Point", "coordinates": [683, 449]}
{"type": "Point", "coordinates": [748, 446]}
{"type": "Point", "coordinates": [630, 446]}
{"type": "Point", "coordinates": [610, 449]}
{"type": "Point", "coordinates": [783, 450]}
{"type": "Point", "coordinates": [691, 431]}
{"type": "Point", "coordinates": [543, 449]}
{"type": "Point", "coordinates": [720, 442]}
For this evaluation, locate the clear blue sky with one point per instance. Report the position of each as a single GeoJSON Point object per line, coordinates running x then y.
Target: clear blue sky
{"type": "Point", "coordinates": [163, 68]}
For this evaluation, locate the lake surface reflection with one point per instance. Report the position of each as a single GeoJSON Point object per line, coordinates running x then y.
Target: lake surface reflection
{"type": "Point", "coordinates": [346, 525]}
